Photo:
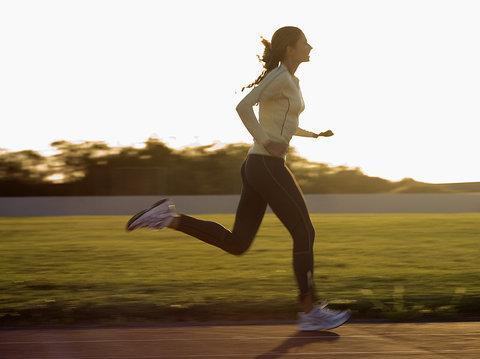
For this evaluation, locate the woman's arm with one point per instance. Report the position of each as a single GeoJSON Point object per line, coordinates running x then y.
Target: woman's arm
{"type": "Point", "coordinates": [250, 121]}
{"type": "Point", "coordinates": [267, 89]}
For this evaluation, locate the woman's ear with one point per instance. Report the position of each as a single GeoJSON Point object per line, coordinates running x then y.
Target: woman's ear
{"type": "Point", "coordinates": [288, 50]}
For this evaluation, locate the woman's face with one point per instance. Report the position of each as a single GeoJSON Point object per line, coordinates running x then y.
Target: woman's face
{"type": "Point", "coordinates": [301, 51]}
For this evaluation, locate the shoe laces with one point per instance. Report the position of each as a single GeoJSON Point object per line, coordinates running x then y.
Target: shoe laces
{"type": "Point", "coordinates": [323, 313]}
{"type": "Point", "coordinates": [330, 312]}
{"type": "Point", "coordinates": [315, 315]}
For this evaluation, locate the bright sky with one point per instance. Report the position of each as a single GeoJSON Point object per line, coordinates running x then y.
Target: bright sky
{"type": "Point", "coordinates": [398, 82]}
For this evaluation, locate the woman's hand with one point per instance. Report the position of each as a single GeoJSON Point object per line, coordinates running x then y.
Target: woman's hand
{"type": "Point", "coordinates": [278, 149]}
{"type": "Point", "coordinates": [325, 134]}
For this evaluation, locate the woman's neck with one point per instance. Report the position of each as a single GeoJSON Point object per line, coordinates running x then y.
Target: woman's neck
{"type": "Point", "coordinates": [291, 67]}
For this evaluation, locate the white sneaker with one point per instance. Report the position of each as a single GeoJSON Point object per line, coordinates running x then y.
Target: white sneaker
{"type": "Point", "coordinates": [321, 317]}
{"type": "Point", "coordinates": [158, 216]}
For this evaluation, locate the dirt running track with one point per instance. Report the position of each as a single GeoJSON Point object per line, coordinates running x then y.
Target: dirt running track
{"type": "Point", "coordinates": [254, 340]}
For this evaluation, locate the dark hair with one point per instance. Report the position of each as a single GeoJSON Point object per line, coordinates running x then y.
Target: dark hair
{"type": "Point", "coordinates": [275, 50]}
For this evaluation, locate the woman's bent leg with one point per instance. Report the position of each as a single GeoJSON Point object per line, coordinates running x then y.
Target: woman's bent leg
{"type": "Point", "coordinates": [250, 211]}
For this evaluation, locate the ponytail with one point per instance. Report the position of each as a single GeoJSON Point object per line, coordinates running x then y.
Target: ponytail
{"type": "Point", "coordinates": [274, 53]}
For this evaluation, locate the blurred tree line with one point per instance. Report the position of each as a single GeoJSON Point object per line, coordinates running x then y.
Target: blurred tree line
{"type": "Point", "coordinates": [94, 168]}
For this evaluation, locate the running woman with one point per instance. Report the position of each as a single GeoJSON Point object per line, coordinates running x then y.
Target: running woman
{"type": "Point", "coordinates": [266, 180]}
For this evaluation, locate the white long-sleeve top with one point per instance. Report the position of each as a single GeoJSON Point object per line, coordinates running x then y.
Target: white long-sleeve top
{"type": "Point", "coordinates": [280, 103]}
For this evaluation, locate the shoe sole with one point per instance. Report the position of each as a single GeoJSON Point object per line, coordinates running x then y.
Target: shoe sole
{"type": "Point", "coordinates": [142, 212]}
{"type": "Point", "coordinates": [314, 328]}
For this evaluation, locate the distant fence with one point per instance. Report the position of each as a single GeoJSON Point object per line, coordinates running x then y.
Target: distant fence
{"type": "Point", "coordinates": [326, 203]}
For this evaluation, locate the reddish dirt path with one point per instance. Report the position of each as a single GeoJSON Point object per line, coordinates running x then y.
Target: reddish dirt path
{"type": "Point", "coordinates": [283, 340]}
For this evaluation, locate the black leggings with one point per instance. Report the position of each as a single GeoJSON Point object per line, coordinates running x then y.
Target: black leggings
{"type": "Point", "coordinates": [266, 180]}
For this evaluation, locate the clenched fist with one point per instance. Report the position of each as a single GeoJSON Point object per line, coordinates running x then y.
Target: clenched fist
{"type": "Point", "coordinates": [325, 134]}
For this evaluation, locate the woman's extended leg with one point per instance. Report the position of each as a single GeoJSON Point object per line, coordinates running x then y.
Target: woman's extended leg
{"type": "Point", "coordinates": [250, 212]}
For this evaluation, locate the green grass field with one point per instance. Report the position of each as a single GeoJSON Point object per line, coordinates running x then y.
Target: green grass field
{"type": "Point", "coordinates": [88, 269]}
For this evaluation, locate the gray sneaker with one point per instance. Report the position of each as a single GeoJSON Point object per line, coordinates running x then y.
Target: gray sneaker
{"type": "Point", "coordinates": [322, 318]}
{"type": "Point", "coordinates": [158, 216]}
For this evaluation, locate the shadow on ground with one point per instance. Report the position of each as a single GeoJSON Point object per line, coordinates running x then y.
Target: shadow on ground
{"type": "Point", "coordinates": [299, 339]}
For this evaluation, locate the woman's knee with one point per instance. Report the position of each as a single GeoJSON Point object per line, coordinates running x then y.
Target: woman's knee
{"type": "Point", "coordinates": [239, 247]}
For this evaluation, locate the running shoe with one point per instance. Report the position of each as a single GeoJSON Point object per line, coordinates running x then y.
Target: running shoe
{"type": "Point", "coordinates": [322, 318]}
{"type": "Point", "coordinates": [158, 216]}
